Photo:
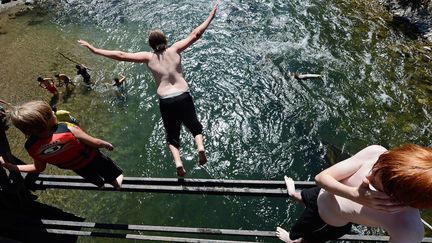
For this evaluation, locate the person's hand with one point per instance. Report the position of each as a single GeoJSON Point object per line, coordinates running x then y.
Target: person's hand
{"type": "Point", "coordinates": [213, 12]}
{"type": "Point", "coordinates": [109, 146]}
{"type": "Point", "coordinates": [375, 199]}
{"type": "Point", "coordinates": [85, 43]}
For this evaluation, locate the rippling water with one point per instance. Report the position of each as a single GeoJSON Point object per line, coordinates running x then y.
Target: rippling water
{"type": "Point", "coordinates": [260, 122]}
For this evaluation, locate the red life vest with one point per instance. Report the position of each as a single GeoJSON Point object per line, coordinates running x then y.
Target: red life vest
{"type": "Point", "coordinates": [61, 149]}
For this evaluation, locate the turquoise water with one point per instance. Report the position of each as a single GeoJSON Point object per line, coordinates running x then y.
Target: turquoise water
{"type": "Point", "coordinates": [259, 122]}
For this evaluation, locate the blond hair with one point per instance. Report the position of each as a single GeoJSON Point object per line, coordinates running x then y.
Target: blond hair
{"type": "Point", "coordinates": [32, 117]}
{"type": "Point", "coordinates": [157, 40]}
{"type": "Point", "coordinates": [406, 175]}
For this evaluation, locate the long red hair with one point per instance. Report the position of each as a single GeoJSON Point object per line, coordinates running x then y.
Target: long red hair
{"type": "Point", "coordinates": [406, 175]}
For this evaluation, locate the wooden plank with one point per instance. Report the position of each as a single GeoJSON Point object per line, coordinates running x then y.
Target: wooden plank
{"type": "Point", "coordinates": [138, 237]}
{"type": "Point", "coordinates": [374, 238]}
{"type": "Point", "coordinates": [359, 238]}
{"type": "Point", "coordinates": [212, 231]}
{"type": "Point", "coordinates": [64, 227]}
{"type": "Point", "coordinates": [169, 189]}
{"type": "Point", "coordinates": [186, 181]}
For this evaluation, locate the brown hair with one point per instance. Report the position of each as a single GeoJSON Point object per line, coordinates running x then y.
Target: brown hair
{"type": "Point", "coordinates": [406, 175]}
{"type": "Point", "coordinates": [157, 40]}
{"type": "Point", "coordinates": [32, 117]}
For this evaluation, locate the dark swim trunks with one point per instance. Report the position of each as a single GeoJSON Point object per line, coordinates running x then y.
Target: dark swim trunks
{"type": "Point", "coordinates": [175, 111]}
{"type": "Point", "coordinates": [102, 169]}
{"type": "Point", "coordinates": [310, 226]}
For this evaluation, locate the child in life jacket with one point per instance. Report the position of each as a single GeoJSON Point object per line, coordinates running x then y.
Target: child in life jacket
{"type": "Point", "coordinates": [66, 147]}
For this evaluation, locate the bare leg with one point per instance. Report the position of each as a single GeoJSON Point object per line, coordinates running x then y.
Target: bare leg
{"type": "Point", "coordinates": [202, 158]}
{"type": "Point", "coordinates": [179, 164]}
{"type": "Point", "coordinates": [283, 235]}
{"type": "Point", "coordinates": [117, 183]}
{"type": "Point", "coordinates": [291, 189]}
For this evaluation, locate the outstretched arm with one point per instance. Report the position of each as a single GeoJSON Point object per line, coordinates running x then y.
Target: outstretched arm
{"type": "Point", "coordinates": [330, 180]}
{"type": "Point", "coordinates": [89, 140]}
{"type": "Point", "coordinates": [143, 57]}
{"type": "Point", "coordinates": [180, 46]}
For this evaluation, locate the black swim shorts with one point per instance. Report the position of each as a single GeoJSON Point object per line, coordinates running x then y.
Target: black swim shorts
{"type": "Point", "coordinates": [310, 226]}
{"type": "Point", "coordinates": [102, 169]}
{"type": "Point", "coordinates": [179, 110]}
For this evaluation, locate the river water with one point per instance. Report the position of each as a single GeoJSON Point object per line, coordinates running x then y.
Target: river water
{"type": "Point", "coordinates": [259, 122]}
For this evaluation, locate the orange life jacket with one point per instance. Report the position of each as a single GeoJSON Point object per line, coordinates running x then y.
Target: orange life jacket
{"type": "Point", "coordinates": [61, 149]}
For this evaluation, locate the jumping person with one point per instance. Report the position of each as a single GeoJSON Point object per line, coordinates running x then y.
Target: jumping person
{"type": "Point", "coordinates": [67, 147]}
{"type": "Point", "coordinates": [175, 102]}
{"type": "Point", "coordinates": [375, 187]}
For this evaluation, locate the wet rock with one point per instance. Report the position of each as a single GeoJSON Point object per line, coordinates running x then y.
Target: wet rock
{"type": "Point", "coordinates": [416, 14]}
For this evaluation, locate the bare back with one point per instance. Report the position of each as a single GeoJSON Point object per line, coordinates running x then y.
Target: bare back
{"type": "Point", "coordinates": [337, 211]}
{"type": "Point", "coordinates": [167, 72]}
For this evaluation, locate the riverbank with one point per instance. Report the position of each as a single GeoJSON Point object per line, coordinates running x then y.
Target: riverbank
{"type": "Point", "coordinates": [415, 14]}
{"type": "Point", "coordinates": [11, 4]}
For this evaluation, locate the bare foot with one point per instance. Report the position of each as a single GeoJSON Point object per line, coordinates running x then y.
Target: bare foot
{"type": "Point", "coordinates": [181, 171]}
{"type": "Point", "coordinates": [290, 185]}
{"type": "Point", "coordinates": [202, 158]}
{"type": "Point", "coordinates": [117, 183]}
{"type": "Point", "coordinates": [283, 235]}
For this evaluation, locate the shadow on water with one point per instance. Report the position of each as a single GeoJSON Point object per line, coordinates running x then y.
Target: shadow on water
{"type": "Point", "coordinates": [54, 100]}
{"type": "Point", "coordinates": [68, 93]}
{"type": "Point", "coordinates": [403, 25]}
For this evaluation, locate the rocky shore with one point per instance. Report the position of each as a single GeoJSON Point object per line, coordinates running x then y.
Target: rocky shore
{"type": "Point", "coordinates": [7, 4]}
{"type": "Point", "coordinates": [416, 14]}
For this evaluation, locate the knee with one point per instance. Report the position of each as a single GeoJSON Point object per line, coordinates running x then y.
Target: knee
{"type": "Point", "coordinates": [174, 142]}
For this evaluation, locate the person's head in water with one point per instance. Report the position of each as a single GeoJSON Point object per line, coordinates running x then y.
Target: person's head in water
{"type": "Point", "coordinates": [40, 79]}
{"type": "Point", "coordinates": [116, 80]}
{"type": "Point", "coordinates": [78, 67]}
{"type": "Point", "coordinates": [157, 40]}
{"type": "Point", "coordinates": [57, 75]}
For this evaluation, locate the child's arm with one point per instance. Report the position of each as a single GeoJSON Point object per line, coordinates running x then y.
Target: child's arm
{"type": "Point", "coordinates": [89, 140]}
{"type": "Point", "coordinates": [330, 180]}
{"type": "Point", "coordinates": [37, 167]}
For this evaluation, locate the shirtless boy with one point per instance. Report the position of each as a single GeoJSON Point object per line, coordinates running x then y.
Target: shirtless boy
{"type": "Point", "coordinates": [63, 79]}
{"type": "Point", "coordinates": [375, 187]}
{"type": "Point", "coordinates": [176, 104]}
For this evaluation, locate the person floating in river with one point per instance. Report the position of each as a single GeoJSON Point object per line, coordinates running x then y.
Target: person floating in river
{"type": "Point", "coordinates": [375, 187]}
{"type": "Point", "coordinates": [67, 147]}
{"type": "Point", "coordinates": [175, 102]}
{"type": "Point", "coordinates": [302, 76]}
{"type": "Point", "coordinates": [119, 83]}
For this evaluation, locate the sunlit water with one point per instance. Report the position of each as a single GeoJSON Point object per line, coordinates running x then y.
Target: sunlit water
{"type": "Point", "coordinates": [259, 122]}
